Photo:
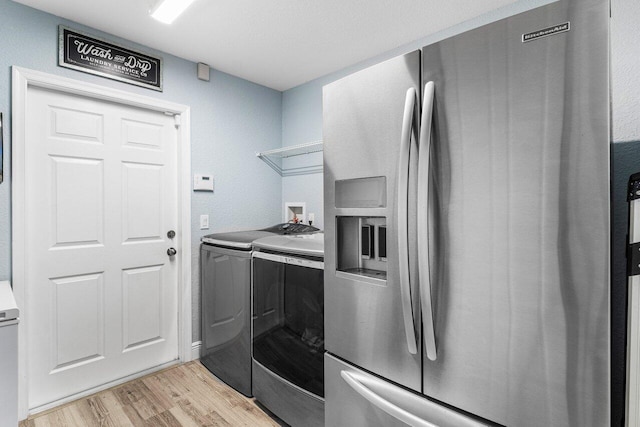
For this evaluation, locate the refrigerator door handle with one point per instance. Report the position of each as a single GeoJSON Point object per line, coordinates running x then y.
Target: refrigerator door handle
{"type": "Point", "coordinates": [424, 158]}
{"type": "Point", "coordinates": [380, 402]}
{"type": "Point", "coordinates": [403, 237]}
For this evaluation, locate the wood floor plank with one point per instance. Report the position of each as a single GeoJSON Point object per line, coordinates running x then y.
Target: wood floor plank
{"type": "Point", "coordinates": [116, 413]}
{"type": "Point", "coordinates": [201, 416]}
{"type": "Point", "coordinates": [185, 419]}
{"type": "Point", "coordinates": [164, 419]}
{"type": "Point", "coordinates": [55, 419]}
{"type": "Point", "coordinates": [93, 411]}
{"type": "Point", "coordinates": [185, 395]}
{"type": "Point", "coordinates": [244, 410]}
{"type": "Point", "coordinates": [138, 396]}
{"type": "Point", "coordinates": [74, 416]}
{"type": "Point", "coordinates": [215, 412]}
{"type": "Point", "coordinates": [133, 415]}
{"type": "Point", "coordinates": [164, 389]}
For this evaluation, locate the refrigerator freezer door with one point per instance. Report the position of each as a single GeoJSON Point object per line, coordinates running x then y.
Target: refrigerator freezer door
{"type": "Point", "coordinates": [520, 218]}
{"type": "Point", "coordinates": [364, 316]}
{"type": "Point", "coordinates": [358, 399]}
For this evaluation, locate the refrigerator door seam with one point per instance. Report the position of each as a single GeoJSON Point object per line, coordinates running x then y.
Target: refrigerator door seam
{"type": "Point", "coordinates": [424, 157]}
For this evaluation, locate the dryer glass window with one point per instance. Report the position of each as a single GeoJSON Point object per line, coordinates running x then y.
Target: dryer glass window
{"type": "Point", "coordinates": [288, 322]}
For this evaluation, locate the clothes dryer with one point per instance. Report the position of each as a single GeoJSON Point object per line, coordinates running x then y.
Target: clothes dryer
{"type": "Point", "coordinates": [288, 327]}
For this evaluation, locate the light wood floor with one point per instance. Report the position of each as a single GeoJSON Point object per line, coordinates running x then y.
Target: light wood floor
{"type": "Point", "coordinates": [183, 395]}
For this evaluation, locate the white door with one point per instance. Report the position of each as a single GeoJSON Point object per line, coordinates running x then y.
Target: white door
{"type": "Point", "coordinates": [101, 195]}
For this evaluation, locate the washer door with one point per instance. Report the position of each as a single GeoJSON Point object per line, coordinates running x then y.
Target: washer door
{"type": "Point", "coordinates": [225, 278]}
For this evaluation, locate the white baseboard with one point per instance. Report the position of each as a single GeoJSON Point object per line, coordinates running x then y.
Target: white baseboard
{"type": "Point", "coordinates": [195, 350]}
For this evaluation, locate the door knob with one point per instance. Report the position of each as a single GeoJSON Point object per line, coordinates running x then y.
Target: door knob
{"type": "Point", "coordinates": [171, 252]}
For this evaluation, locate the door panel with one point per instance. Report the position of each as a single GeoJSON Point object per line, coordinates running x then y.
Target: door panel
{"type": "Point", "coordinates": [142, 200]}
{"type": "Point", "coordinates": [101, 193]}
{"type": "Point", "coordinates": [79, 125]}
{"type": "Point", "coordinates": [142, 306]}
{"type": "Point", "coordinates": [78, 330]}
{"type": "Point", "coordinates": [226, 315]}
{"type": "Point", "coordinates": [142, 135]}
{"type": "Point", "coordinates": [78, 200]}
{"type": "Point", "coordinates": [362, 135]}
{"type": "Point", "coordinates": [228, 295]}
{"type": "Point", "coordinates": [521, 219]}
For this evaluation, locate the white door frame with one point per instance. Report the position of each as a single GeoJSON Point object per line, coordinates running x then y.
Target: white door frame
{"type": "Point", "coordinates": [22, 79]}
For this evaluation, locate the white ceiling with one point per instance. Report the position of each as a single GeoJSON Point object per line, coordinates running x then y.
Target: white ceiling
{"type": "Point", "coordinates": [278, 43]}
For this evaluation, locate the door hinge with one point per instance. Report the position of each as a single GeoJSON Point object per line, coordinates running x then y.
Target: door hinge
{"type": "Point", "coordinates": [176, 118]}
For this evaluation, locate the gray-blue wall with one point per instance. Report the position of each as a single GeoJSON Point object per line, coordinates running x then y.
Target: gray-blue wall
{"type": "Point", "coordinates": [231, 119]}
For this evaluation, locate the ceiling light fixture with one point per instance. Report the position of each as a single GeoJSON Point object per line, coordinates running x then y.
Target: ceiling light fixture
{"type": "Point", "coordinates": [168, 10]}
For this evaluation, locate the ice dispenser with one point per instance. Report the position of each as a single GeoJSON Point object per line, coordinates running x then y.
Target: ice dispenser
{"type": "Point", "coordinates": [362, 240]}
{"type": "Point", "coordinates": [362, 246]}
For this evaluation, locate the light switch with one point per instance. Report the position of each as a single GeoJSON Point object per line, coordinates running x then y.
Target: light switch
{"type": "Point", "coordinates": [204, 222]}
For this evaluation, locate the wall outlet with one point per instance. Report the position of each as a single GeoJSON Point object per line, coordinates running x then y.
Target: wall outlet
{"type": "Point", "coordinates": [204, 222]}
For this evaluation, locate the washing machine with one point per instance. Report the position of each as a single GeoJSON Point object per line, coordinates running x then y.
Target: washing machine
{"type": "Point", "coordinates": [225, 301]}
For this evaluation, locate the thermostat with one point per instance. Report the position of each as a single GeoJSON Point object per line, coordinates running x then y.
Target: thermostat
{"type": "Point", "coordinates": [202, 182]}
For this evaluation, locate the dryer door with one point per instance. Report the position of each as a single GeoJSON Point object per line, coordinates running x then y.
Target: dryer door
{"type": "Point", "coordinates": [288, 319]}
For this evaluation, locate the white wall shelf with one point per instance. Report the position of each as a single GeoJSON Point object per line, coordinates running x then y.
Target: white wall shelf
{"type": "Point", "coordinates": [273, 158]}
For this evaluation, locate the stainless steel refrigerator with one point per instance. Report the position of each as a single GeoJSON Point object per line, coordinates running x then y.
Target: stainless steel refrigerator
{"type": "Point", "coordinates": [467, 229]}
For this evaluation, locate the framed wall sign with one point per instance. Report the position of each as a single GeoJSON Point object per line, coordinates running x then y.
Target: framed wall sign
{"type": "Point", "coordinates": [96, 56]}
